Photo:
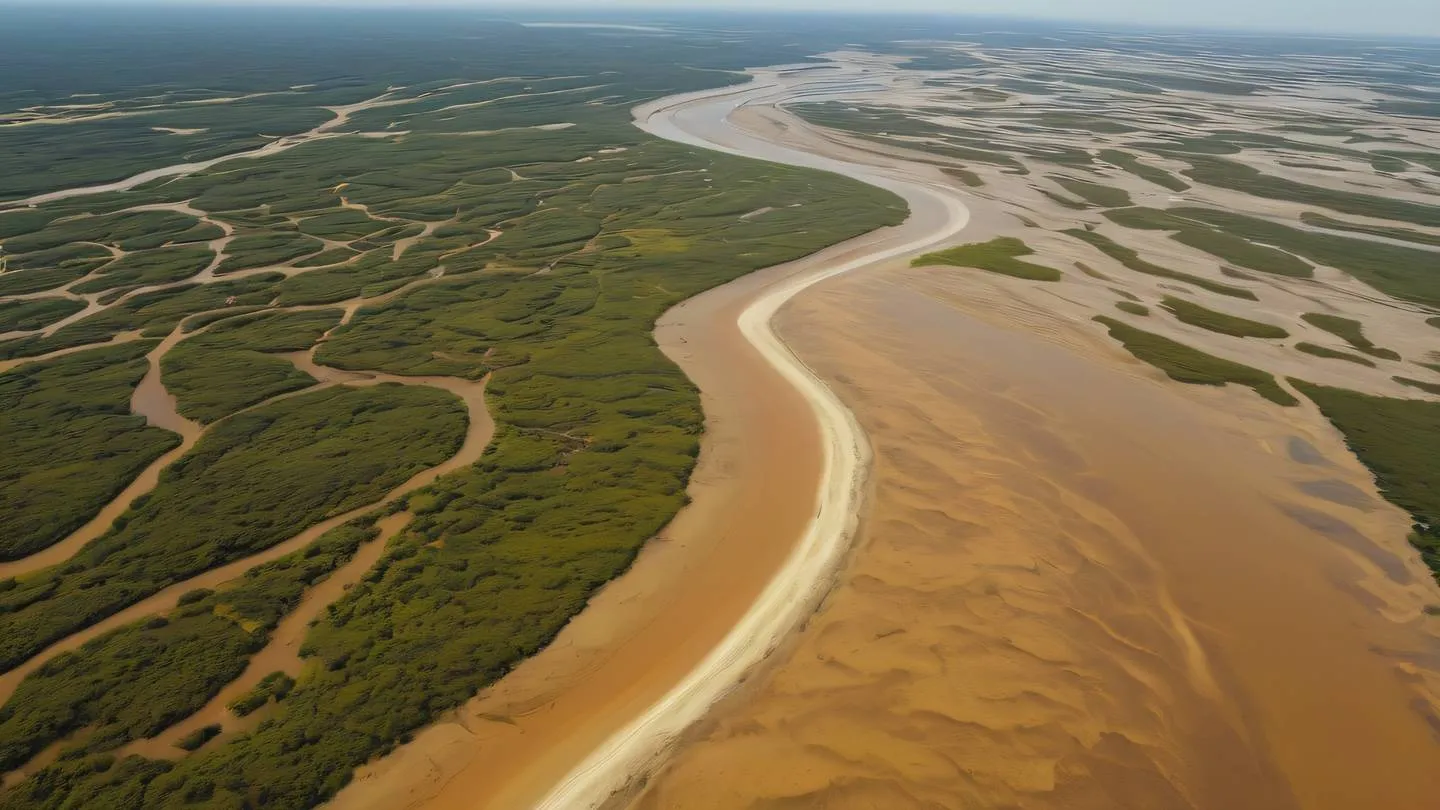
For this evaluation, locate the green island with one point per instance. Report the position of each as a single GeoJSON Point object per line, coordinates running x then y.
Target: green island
{"type": "Point", "coordinates": [1349, 330]}
{"type": "Point", "coordinates": [1131, 259]}
{"type": "Point", "coordinates": [998, 256]}
{"type": "Point", "coordinates": [1221, 322]}
{"type": "Point", "coordinates": [1399, 440]}
{"type": "Point", "coordinates": [1317, 350]}
{"type": "Point", "coordinates": [1190, 365]}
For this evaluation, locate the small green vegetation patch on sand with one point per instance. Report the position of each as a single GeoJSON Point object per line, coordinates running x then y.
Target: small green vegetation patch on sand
{"type": "Point", "coordinates": [1229, 247]}
{"type": "Point", "coordinates": [1419, 385]}
{"type": "Point", "coordinates": [1095, 193]}
{"type": "Point", "coordinates": [1131, 259]}
{"type": "Point", "coordinates": [1401, 271]}
{"type": "Point", "coordinates": [1189, 365]}
{"type": "Point", "coordinates": [71, 442]}
{"type": "Point", "coordinates": [36, 313]}
{"type": "Point", "coordinates": [231, 366]}
{"type": "Point", "coordinates": [1333, 354]}
{"type": "Point", "coordinates": [138, 680]}
{"type": "Point", "coordinates": [1399, 440]}
{"type": "Point", "coordinates": [1349, 330]}
{"type": "Point", "coordinates": [264, 249]}
{"type": "Point", "coordinates": [307, 457]}
{"type": "Point", "coordinates": [1132, 308]}
{"type": "Point", "coordinates": [969, 178]}
{"type": "Point", "coordinates": [1224, 323]}
{"type": "Point", "coordinates": [1403, 234]}
{"type": "Point", "coordinates": [1240, 177]}
{"type": "Point", "coordinates": [998, 256]}
{"type": "Point", "coordinates": [1135, 166]}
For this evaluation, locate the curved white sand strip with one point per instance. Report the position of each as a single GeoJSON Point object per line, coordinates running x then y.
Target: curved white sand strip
{"type": "Point", "coordinates": [798, 588]}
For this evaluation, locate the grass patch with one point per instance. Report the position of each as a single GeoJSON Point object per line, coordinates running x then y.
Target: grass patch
{"type": "Point", "coordinates": [1402, 234]}
{"type": "Point", "coordinates": [1349, 330]}
{"type": "Point", "coordinates": [1333, 354]}
{"type": "Point", "coordinates": [1135, 166]}
{"type": "Point", "coordinates": [231, 366]}
{"type": "Point", "coordinates": [1132, 260]}
{"type": "Point", "coordinates": [140, 679]}
{"type": "Point", "coordinates": [276, 685]}
{"type": "Point", "coordinates": [1226, 246]}
{"type": "Point", "coordinates": [1239, 177]}
{"type": "Point", "coordinates": [1132, 308]}
{"type": "Point", "coordinates": [969, 178]}
{"type": "Point", "coordinates": [1421, 385]}
{"type": "Point", "coordinates": [71, 442]}
{"type": "Point", "coordinates": [158, 266]}
{"type": "Point", "coordinates": [1189, 365]}
{"type": "Point", "coordinates": [1095, 193]}
{"type": "Point", "coordinates": [305, 458]}
{"type": "Point", "coordinates": [998, 256]}
{"type": "Point", "coordinates": [36, 313]}
{"type": "Point", "coordinates": [1221, 322]}
{"type": "Point", "coordinates": [196, 739]}
{"type": "Point", "coordinates": [266, 249]}
{"type": "Point", "coordinates": [1399, 440]}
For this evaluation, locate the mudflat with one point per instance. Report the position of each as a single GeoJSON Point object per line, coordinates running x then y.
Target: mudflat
{"type": "Point", "coordinates": [1079, 587]}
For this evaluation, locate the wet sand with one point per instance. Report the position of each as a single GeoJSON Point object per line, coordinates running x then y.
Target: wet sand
{"type": "Point", "coordinates": [1080, 587]}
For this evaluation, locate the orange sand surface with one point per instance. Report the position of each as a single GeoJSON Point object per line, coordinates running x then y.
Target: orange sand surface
{"type": "Point", "coordinates": [1080, 587]}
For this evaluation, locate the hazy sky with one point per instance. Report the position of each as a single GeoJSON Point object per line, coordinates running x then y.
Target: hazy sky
{"type": "Point", "coordinates": [1413, 17]}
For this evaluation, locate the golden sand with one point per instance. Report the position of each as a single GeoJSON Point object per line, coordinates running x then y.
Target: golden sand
{"type": "Point", "coordinates": [1080, 587]}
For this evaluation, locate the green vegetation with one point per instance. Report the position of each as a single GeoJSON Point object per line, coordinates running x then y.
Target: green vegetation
{"type": "Point", "coordinates": [1189, 365]}
{"type": "Point", "coordinates": [1427, 387]}
{"type": "Point", "coordinates": [1349, 330]}
{"type": "Point", "coordinates": [1217, 243]}
{"type": "Point", "coordinates": [1240, 177]}
{"type": "Point", "coordinates": [1224, 323]}
{"type": "Point", "coordinates": [1094, 193]}
{"type": "Point", "coordinates": [969, 178]}
{"type": "Point", "coordinates": [158, 266]}
{"type": "Point", "coordinates": [231, 366]}
{"type": "Point", "coordinates": [36, 313]}
{"type": "Point", "coordinates": [1402, 234]}
{"type": "Point", "coordinates": [1404, 272]}
{"type": "Point", "coordinates": [1133, 164]}
{"type": "Point", "coordinates": [1132, 308]}
{"type": "Point", "coordinates": [275, 685]}
{"type": "Point", "coordinates": [71, 443]}
{"type": "Point", "coordinates": [262, 250]}
{"type": "Point", "coordinates": [1333, 354]}
{"type": "Point", "coordinates": [197, 738]}
{"type": "Point", "coordinates": [1065, 202]}
{"type": "Point", "coordinates": [129, 231]}
{"type": "Point", "coordinates": [139, 680]}
{"type": "Point", "coordinates": [1132, 260]}
{"type": "Point", "coordinates": [998, 256]}
{"type": "Point", "coordinates": [1399, 440]}
{"type": "Point", "coordinates": [305, 458]}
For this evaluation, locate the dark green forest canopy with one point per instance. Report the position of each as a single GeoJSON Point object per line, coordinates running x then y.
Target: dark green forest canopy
{"type": "Point", "coordinates": [514, 224]}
